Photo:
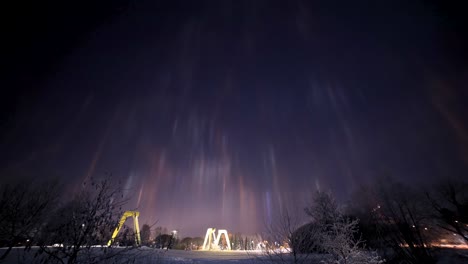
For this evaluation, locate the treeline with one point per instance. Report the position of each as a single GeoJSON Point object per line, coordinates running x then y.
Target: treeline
{"type": "Point", "coordinates": [63, 227]}
{"type": "Point", "coordinates": [409, 222]}
{"type": "Point", "coordinates": [388, 220]}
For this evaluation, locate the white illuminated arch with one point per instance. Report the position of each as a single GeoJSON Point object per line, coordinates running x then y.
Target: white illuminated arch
{"type": "Point", "coordinates": [212, 239]}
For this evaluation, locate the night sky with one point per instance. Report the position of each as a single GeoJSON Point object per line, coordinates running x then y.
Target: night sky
{"type": "Point", "coordinates": [222, 113]}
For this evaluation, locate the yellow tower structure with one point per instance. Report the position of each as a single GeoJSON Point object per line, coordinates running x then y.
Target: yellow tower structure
{"type": "Point", "coordinates": [127, 214]}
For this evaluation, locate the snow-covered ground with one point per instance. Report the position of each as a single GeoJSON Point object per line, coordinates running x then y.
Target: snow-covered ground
{"type": "Point", "coordinates": [146, 255]}
{"type": "Point", "coordinates": [212, 256]}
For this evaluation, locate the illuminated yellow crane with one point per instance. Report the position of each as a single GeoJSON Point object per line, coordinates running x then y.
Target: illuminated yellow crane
{"type": "Point", "coordinates": [124, 217]}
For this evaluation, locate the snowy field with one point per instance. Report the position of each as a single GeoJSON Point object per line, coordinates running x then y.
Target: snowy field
{"type": "Point", "coordinates": [146, 255]}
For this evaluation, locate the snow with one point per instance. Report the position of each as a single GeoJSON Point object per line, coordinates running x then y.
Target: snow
{"type": "Point", "coordinates": [146, 255]}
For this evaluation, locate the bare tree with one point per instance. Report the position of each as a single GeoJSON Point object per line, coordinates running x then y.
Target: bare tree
{"type": "Point", "coordinates": [401, 218]}
{"type": "Point", "coordinates": [145, 234]}
{"type": "Point", "coordinates": [23, 208]}
{"type": "Point", "coordinates": [164, 241]}
{"type": "Point", "coordinates": [88, 219]}
{"type": "Point", "coordinates": [449, 201]}
{"type": "Point", "coordinates": [284, 237]}
{"type": "Point", "coordinates": [324, 209]}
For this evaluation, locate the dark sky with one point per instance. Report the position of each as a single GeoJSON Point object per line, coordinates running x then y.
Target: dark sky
{"type": "Point", "coordinates": [221, 113]}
